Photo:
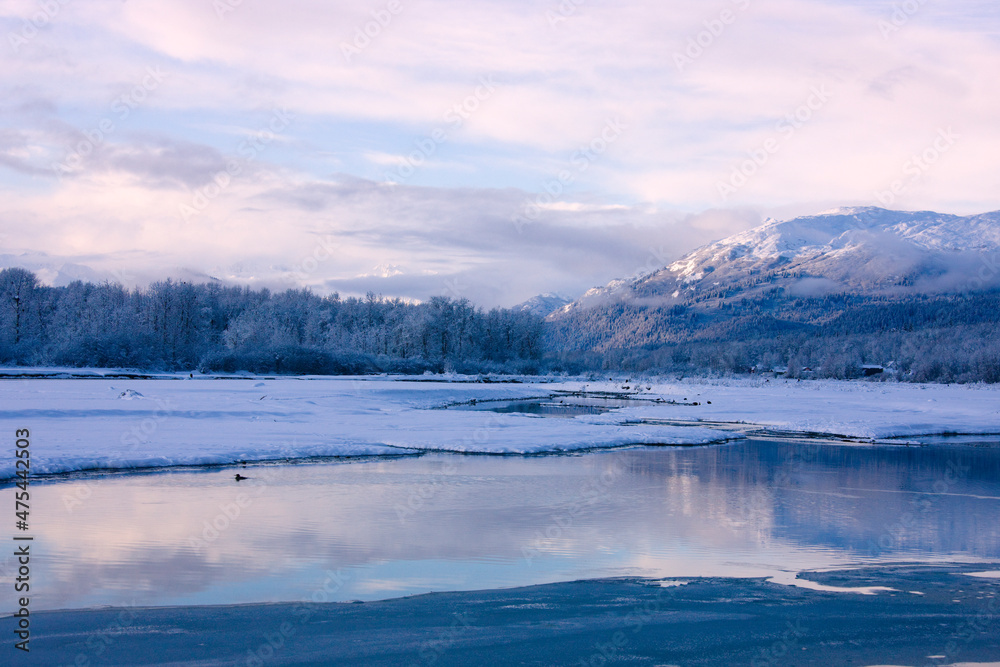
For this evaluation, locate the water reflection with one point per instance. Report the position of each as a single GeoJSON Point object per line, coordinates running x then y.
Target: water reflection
{"type": "Point", "coordinates": [565, 407]}
{"type": "Point", "coordinates": [446, 522]}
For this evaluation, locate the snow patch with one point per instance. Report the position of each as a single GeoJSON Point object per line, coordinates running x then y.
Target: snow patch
{"type": "Point", "coordinates": [211, 422]}
{"type": "Point", "coordinates": [792, 579]}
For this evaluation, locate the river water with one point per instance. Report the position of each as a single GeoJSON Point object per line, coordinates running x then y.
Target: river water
{"type": "Point", "coordinates": [378, 529]}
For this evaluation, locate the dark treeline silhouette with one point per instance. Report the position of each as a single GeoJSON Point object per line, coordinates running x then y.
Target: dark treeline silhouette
{"type": "Point", "coordinates": [176, 325]}
{"type": "Point", "coordinates": [938, 338]}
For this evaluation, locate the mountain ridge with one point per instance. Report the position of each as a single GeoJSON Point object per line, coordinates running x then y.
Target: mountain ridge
{"type": "Point", "coordinates": [856, 250]}
{"type": "Point", "coordinates": [543, 304]}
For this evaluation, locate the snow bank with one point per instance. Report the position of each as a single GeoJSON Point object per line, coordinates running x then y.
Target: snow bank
{"type": "Point", "coordinates": [853, 409]}
{"type": "Point", "coordinates": [81, 424]}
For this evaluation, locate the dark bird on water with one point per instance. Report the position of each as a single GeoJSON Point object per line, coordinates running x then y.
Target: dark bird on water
{"type": "Point", "coordinates": [240, 477]}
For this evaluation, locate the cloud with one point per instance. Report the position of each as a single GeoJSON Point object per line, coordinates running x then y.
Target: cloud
{"type": "Point", "coordinates": [385, 159]}
{"type": "Point", "coordinates": [486, 107]}
{"type": "Point", "coordinates": [459, 242]}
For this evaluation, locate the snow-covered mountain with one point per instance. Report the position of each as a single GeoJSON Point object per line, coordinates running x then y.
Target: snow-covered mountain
{"type": "Point", "coordinates": [854, 250]}
{"type": "Point", "coordinates": [51, 270]}
{"type": "Point", "coordinates": [543, 304]}
{"type": "Point", "coordinates": [59, 271]}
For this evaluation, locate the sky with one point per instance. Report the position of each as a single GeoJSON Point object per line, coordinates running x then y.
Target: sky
{"type": "Point", "coordinates": [489, 150]}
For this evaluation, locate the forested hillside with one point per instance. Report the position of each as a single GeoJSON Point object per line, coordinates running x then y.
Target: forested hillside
{"type": "Point", "coordinates": [172, 325]}
{"type": "Point", "coordinates": [940, 338]}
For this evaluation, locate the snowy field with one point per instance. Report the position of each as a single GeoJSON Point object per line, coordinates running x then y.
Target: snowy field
{"type": "Point", "coordinates": [853, 409]}
{"type": "Point", "coordinates": [119, 423]}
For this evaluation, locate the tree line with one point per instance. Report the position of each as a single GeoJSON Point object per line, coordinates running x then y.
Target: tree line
{"type": "Point", "coordinates": [928, 338]}
{"type": "Point", "coordinates": [180, 326]}
{"type": "Point", "coordinates": [212, 327]}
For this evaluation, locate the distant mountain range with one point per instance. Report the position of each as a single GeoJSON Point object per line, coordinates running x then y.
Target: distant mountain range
{"type": "Point", "coordinates": [543, 304]}
{"type": "Point", "coordinates": [59, 271]}
{"type": "Point", "coordinates": [847, 293]}
{"type": "Point", "coordinates": [840, 294]}
{"type": "Point", "coordinates": [867, 251]}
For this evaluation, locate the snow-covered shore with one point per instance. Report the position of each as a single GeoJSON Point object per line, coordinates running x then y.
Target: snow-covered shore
{"type": "Point", "coordinates": [853, 409]}
{"type": "Point", "coordinates": [124, 423]}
